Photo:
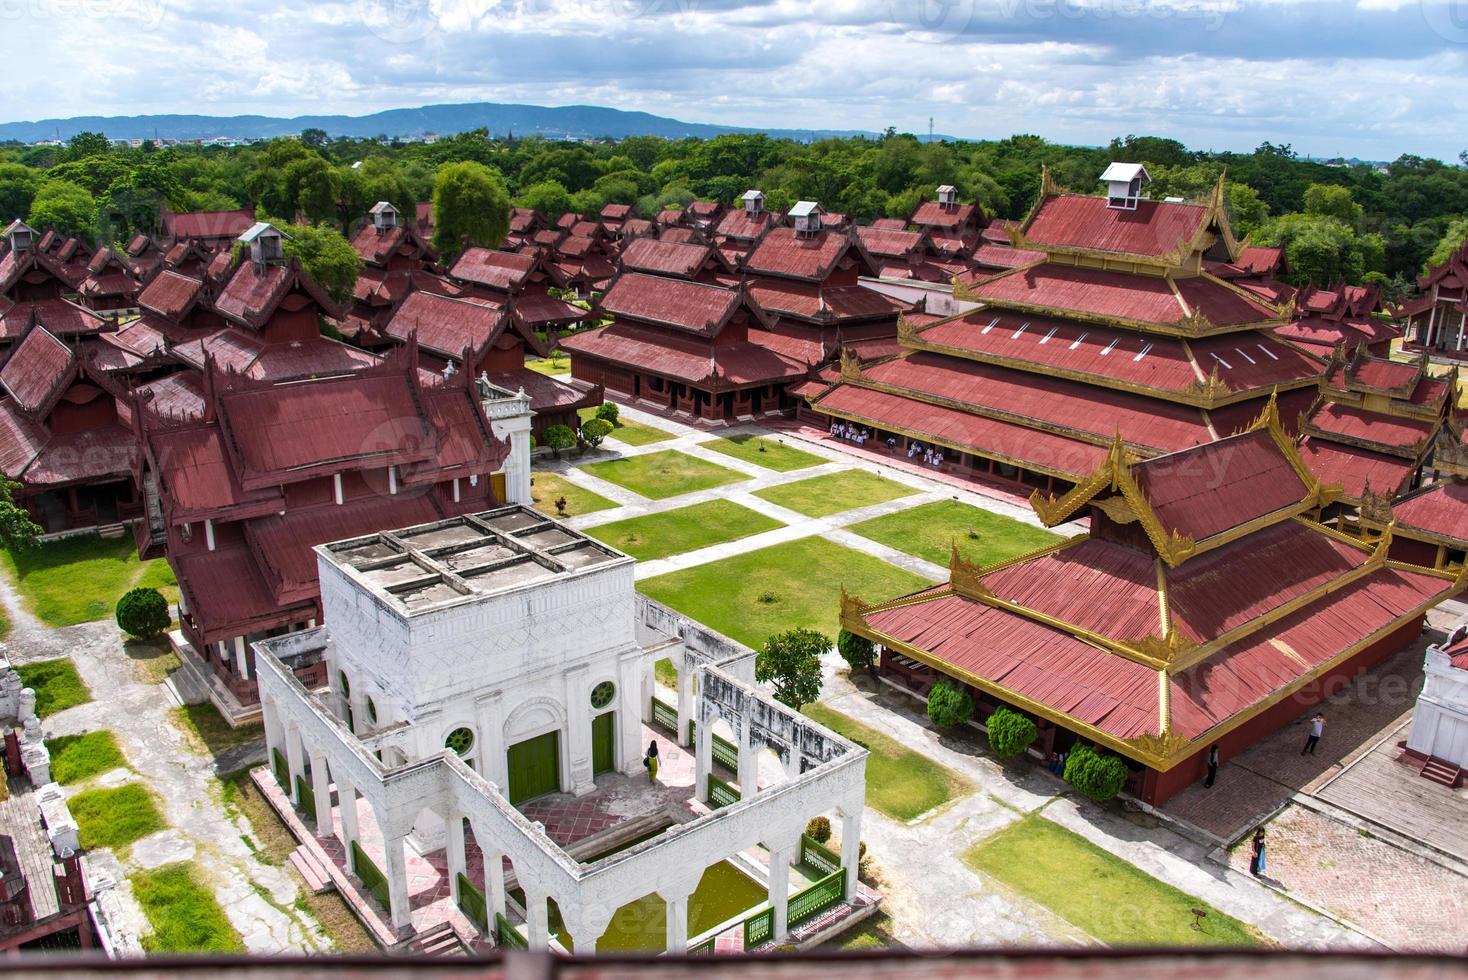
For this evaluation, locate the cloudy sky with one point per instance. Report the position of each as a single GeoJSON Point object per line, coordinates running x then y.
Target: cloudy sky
{"type": "Point", "coordinates": [1367, 78]}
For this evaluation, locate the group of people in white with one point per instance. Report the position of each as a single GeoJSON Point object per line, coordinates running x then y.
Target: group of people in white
{"type": "Point", "coordinates": [859, 435]}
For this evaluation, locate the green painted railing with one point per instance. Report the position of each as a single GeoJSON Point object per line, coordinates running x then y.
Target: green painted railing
{"type": "Point", "coordinates": [307, 798]}
{"type": "Point", "coordinates": [725, 754]}
{"type": "Point", "coordinates": [374, 880]}
{"type": "Point", "coordinates": [665, 716]}
{"type": "Point", "coordinates": [818, 857]}
{"type": "Point", "coordinates": [759, 929]}
{"type": "Point", "coordinates": [705, 948]}
{"type": "Point", "coordinates": [810, 902]}
{"type": "Point", "coordinates": [721, 794]}
{"type": "Point", "coordinates": [472, 903]}
{"type": "Point", "coordinates": [507, 936]}
{"type": "Point", "coordinates": [282, 770]}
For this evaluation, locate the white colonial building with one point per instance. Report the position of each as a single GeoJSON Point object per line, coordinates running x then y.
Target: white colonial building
{"type": "Point", "coordinates": [1439, 734]}
{"type": "Point", "coordinates": [493, 666]}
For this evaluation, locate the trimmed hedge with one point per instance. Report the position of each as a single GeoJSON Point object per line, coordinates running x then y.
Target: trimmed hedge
{"type": "Point", "coordinates": [143, 613]}
{"type": "Point", "coordinates": [858, 652]}
{"type": "Point", "coordinates": [1010, 732]}
{"type": "Point", "coordinates": [949, 704]}
{"type": "Point", "coordinates": [1099, 776]}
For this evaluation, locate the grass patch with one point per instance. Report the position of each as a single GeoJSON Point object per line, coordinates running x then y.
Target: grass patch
{"type": "Point", "coordinates": [901, 783]}
{"type": "Point", "coordinates": [183, 912]}
{"type": "Point", "coordinates": [78, 580]}
{"type": "Point", "coordinates": [209, 732]}
{"type": "Point", "coordinates": [748, 597]}
{"type": "Point", "coordinates": [275, 844]}
{"type": "Point", "coordinates": [558, 363]}
{"type": "Point", "coordinates": [631, 433]}
{"type": "Point", "coordinates": [769, 453]}
{"type": "Point", "coordinates": [929, 531]}
{"type": "Point", "coordinates": [821, 496]}
{"type": "Point", "coordinates": [665, 474]}
{"type": "Point", "coordinates": [153, 660]}
{"type": "Point", "coordinates": [1097, 891]}
{"type": "Point", "coordinates": [665, 673]}
{"type": "Point", "coordinates": [57, 685]}
{"type": "Point", "coordinates": [871, 934]}
{"type": "Point", "coordinates": [77, 757]}
{"type": "Point", "coordinates": [115, 817]}
{"type": "Point", "coordinates": [547, 488]}
{"type": "Point", "coordinates": [686, 529]}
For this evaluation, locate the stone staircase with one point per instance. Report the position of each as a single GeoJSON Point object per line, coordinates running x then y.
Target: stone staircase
{"type": "Point", "coordinates": [1442, 771]}
{"type": "Point", "coordinates": [317, 879]}
{"type": "Point", "coordinates": [441, 940]}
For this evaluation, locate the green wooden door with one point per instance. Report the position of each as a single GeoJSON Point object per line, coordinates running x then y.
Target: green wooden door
{"type": "Point", "coordinates": [603, 759]}
{"type": "Point", "coordinates": [535, 767]}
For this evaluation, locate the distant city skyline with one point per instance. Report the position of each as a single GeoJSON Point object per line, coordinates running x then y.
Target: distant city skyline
{"type": "Point", "coordinates": [1371, 79]}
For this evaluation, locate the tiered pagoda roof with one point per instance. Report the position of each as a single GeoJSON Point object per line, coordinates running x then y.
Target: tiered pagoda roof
{"type": "Point", "coordinates": [1118, 323]}
{"type": "Point", "coordinates": [1203, 594]}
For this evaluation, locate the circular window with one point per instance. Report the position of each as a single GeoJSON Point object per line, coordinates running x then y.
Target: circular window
{"type": "Point", "coordinates": [371, 711]}
{"type": "Point", "coordinates": [602, 694]}
{"type": "Point", "coordinates": [461, 740]}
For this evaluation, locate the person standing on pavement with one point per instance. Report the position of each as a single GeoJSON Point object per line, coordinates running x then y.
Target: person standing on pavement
{"type": "Point", "coordinates": [1317, 729]}
{"type": "Point", "coordinates": [1256, 860]}
{"type": "Point", "coordinates": [651, 761]}
{"type": "Point", "coordinates": [1212, 767]}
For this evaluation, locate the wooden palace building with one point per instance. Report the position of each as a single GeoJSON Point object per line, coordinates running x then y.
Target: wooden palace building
{"type": "Point", "coordinates": [1206, 606]}
{"type": "Point", "coordinates": [1117, 324]}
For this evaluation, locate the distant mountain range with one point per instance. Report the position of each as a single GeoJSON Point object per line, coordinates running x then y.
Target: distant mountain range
{"type": "Point", "coordinates": [564, 122]}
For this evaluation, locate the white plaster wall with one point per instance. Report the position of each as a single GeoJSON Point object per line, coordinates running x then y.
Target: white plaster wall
{"type": "Point", "coordinates": [1440, 722]}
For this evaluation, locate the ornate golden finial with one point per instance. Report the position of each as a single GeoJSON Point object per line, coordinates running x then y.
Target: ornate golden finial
{"type": "Point", "coordinates": [1048, 186]}
{"type": "Point", "coordinates": [906, 332]}
{"type": "Point", "coordinates": [850, 365]}
{"type": "Point", "coordinates": [1160, 747]}
{"type": "Point", "coordinates": [1383, 544]}
{"type": "Point", "coordinates": [852, 607]}
{"type": "Point", "coordinates": [963, 290]}
{"type": "Point", "coordinates": [1195, 323]}
{"type": "Point", "coordinates": [1165, 648]}
{"type": "Point", "coordinates": [964, 577]}
{"type": "Point", "coordinates": [1268, 418]}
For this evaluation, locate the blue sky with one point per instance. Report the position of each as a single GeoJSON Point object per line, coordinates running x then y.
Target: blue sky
{"type": "Point", "coordinates": [1368, 78]}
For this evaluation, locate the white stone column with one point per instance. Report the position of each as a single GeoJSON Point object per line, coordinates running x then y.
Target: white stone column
{"type": "Point", "coordinates": [321, 789]}
{"type": "Point", "coordinates": [851, 847]}
{"type": "Point", "coordinates": [677, 924]}
{"type": "Point", "coordinates": [494, 882]}
{"type": "Point", "coordinates": [649, 689]}
{"type": "Point", "coordinates": [294, 762]}
{"type": "Point", "coordinates": [347, 802]}
{"type": "Point", "coordinates": [396, 872]}
{"type": "Point", "coordinates": [454, 851]}
{"type": "Point", "coordinates": [703, 760]}
{"type": "Point", "coordinates": [629, 714]}
{"type": "Point", "coordinates": [748, 761]}
{"type": "Point", "coordinates": [537, 918]}
{"type": "Point", "coordinates": [490, 714]}
{"type": "Point", "coordinates": [780, 890]}
{"type": "Point", "coordinates": [686, 704]}
{"type": "Point", "coordinates": [270, 716]}
{"type": "Point", "coordinates": [241, 657]}
{"type": "Point", "coordinates": [579, 779]}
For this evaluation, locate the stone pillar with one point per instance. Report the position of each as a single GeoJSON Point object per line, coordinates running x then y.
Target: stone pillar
{"type": "Point", "coordinates": [686, 704]}
{"type": "Point", "coordinates": [537, 918]}
{"type": "Point", "coordinates": [649, 689]}
{"type": "Point", "coordinates": [629, 713]}
{"type": "Point", "coordinates": [294, 762]}
{"type": "Point", "coordinates": [241, 658]}
{"type": "Point", "coordinates": [703, 760]}
{"type": "Point", "coordinates": [748, 761]}
{"type": "Point", "coordinates": [490, 714]}
{"type": "Point", "coordinates": [321, 789]}
{"type": "Point", "coordinates": [454, 851]}
{"type": "Point", "coordinates": [494, 881]}
{"type": "Point", "coordinates": [347, 803]}
{"type": "Point", "coordinates": [273, 731]}
{"type": "Point", "coordinates": [851, 847]}
{"type": "Point", "coordinates": [780, 890]}
{"type": "Point", "coordinates": [585, 928]}
{"type": "Point", "coordinates": [578, 780]}
{"type": "Point", "coordinates": [396, 872]}
{"type": "Point", "coordinates": [677, 925]}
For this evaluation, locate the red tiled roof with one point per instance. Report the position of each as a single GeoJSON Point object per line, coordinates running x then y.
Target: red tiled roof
{"type": "Point", "coordinates": [992, 256]}
{"type": "Point", "coordinates": [207, 224]}
{"type": "Point", "coordinates": [740, 224]}
{"type": "Point", "coordinates": [170, 294]}
{"type": "Point", "coordinates": [1154, 229]}
{"type": "Point", "coordinates": [376, 246]}
{"type": "Point", "coordinates": [785, 254]}
{"type": "Point", "coordinates": [1373, 372]}
{"type": "Point", "coordinates": [1375, 427]}
{"type": "Point", "coordinates": [823, 304]}
{"type": "Point", "coordinates": [890, 242]}
{"type": "Point", "coordinates": [445, 325]}
{"type": "Point", "coordinates": [197, 479]}
{"type": "Point", "coordinates": [505, 271]}
{"type": "Point", "coordinates": [1353, 468]}
{"type": "Point", "coordinates": [1211, 488]}
{"type": "Point", "coordinates": [540, 309]}
{"type": "Point", "coordinates": [37, 369]}
{"type": "Point", "coordinates": [176, 396]}
{"type": "Point", "coordinates": [689, 306]}
{"type": "Point", "coordinates": [935, 215]}
{"type": "Point", "coordinates": [889, 224]}
{"type": "Point", "coordinates": [62, 317]}
{"type": "Point", "coordinates": [21, 439]}
{"type": "Point", "coordinates": [1260, 260]}
{"type": "Point", "coordinates": [83, 456]}
{"type": "Point", "coordinates": [666, 258]}
{"type": "Point", "coordinates": [683, 358]}
{"type": "Point", "coordinates": [1441, 509]}
{"type": "Point", "coordinates": [546, 393]}
{"type": "Point", "coordinates": [227, 596]}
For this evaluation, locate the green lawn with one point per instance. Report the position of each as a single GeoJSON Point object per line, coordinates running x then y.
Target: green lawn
{"type": "Point", "coordinates": [833, 493]}
{"type": "Point", "coordinates": [665, 474]}
{"type": "Point", "coordinates": [57, 685]}
{"type": "Point", "coordinates": [115, 817]}
{"type": "Point", "coordinates": [686, 529]}
{"type": "Point", "coordinates": [632, 433]}
{"type": "Point", "coordinates": [749, 597]}
{"type": "Point", "coordinates": [547, 488]}
{"type": "Point", "coordinates": [77, 580]}
{"type": "Point", "coordinates": [769, 453]}
{"type": "Point", "coordinates": [1097, 891]}
{"type": "Point", "coordinates": [208, 730]}
{"type": "Point", "coordinates": [556, 364]}
{"type": "Point", "coordinates": [185, 916]}
{"type": "Point", "coordinates": [928, 531]}
{"type": "Point", "coordinates": [901, 783]}
{"type": "Point", "coordinates": [665, 673]}
{"type": "Point", "coordinates": [76, 757]}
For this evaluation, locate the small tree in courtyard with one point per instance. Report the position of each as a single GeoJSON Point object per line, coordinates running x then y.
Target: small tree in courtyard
{"type": "Point", "coordinates": [819, 829]}
{"type": "Point", "coordinates": [949, 704]}
{"type": "Point", "coordinates": [17, 530]}
{"type": "Point", "coordinates": [1099, 776]}
{"type": "Point", "coordinates": [609, 412]}
{"type": "Point", "coordinates": [858, 652]}
{"type": "Point", "coordinates": [1010, 732]}
{"type": "Point", "coordinates": [791, 661]}
{"type": "Point", "coordinates": [595, 430]}
{"type": "Point", "coordinates": [559, 437]}
{"type": "Point", "coordinates": [143, 613]}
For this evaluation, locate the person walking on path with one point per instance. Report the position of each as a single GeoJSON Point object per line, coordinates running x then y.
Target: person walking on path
{"type": "Point", "coordinates": [1317, 729]}
{"type": "Point", "coordinates": [1256, 860]}
{"type": "Point", "coordinates": [651, 761]}
{"type": "Point", "coordinates": [1212, 767]}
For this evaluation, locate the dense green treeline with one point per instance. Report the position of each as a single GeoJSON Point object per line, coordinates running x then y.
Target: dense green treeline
{"type": "Point", "coordinates": [1355, 222]}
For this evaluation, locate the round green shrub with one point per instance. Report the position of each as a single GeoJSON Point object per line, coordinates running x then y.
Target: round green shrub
{"type": "Point", "coordinates": [559, 437]}
{"type": "Point", "coordinates": [608, 412]}
{"type": "Point", "coordinates": [143, 613]}
{"type": "Point", "coordinates": [1099, 776]}
{"type": "Point", "coordinates": [949, 704]}
{"type": "Point", "coordinates": [858, 652]}
{"type": "Point", "coordinates": [595, 430]}
{"type": "Point", "coordinates": [819, 829]}
{"type": "Point", "coordinates": [1010, 732]}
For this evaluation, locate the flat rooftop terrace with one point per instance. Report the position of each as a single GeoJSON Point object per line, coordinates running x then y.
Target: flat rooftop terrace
{"type": "Point", "coordinates": [424, 567]}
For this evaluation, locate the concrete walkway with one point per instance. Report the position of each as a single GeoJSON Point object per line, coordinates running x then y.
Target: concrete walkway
{"type": "Point", "coordinates": [259, 898]}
